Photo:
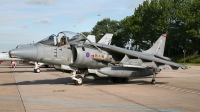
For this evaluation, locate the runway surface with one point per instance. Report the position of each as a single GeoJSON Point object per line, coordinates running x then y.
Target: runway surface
{"type": "Point", "coordinates": [22, 90]}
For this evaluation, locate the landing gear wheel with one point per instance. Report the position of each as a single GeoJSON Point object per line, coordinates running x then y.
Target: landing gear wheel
{"type": "Point", "coordinates": [153, 82]}
{"type": "Point", "coordinates": [37, 70]}
{"type": "Point", "coordinates": [125, 80]}
{"type": "Point", "coordinates": [114, 79]}
{"type": "Point", "coordinates": [79, 81]}
{"type": "Point", "coordinates": [119, 80]}
{"type": "Point", "coordinates": [46, 66]}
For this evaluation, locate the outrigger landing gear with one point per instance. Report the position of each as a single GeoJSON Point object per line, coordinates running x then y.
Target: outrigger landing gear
{"type": "Point", "coordinates": [78, 79]}
{"type": "Point", "coordinates": [153, 81]}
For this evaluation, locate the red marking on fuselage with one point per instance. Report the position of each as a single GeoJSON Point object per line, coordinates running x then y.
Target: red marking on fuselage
{"type": "Point", "coordinates": [164, 35]}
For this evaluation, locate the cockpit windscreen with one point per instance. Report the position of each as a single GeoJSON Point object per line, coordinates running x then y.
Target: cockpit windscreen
{"type": "Point", "coordinates": [62, 38]}
{"type": "Point", "coordinates": [50, 40]}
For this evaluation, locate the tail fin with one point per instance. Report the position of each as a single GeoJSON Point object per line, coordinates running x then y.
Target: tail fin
{"type": "Point", "coordinates": [158, 47]}
{"type": "Point", "coordinates": [91, 38]}
{"type": "Point", "coordinates": [106, 39]}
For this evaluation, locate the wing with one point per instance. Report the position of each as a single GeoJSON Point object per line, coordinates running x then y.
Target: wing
{"type": "Point", "coordinates": [138, 59]}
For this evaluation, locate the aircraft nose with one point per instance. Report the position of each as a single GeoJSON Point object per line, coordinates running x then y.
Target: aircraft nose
{"type": "Point", "coordinates": [28, 52]}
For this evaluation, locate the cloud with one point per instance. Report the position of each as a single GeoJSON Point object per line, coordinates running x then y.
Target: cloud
{"type": "Point", "coordinates": [24, 26]}
{"type": "Point", "coordinates": [44, 21]}
{"type": "Point", "coordinates": [41, 2]}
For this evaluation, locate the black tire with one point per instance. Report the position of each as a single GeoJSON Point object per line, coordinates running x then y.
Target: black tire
{"type": "Point", "coordinates": [119, 80]}
{"type": "Point", "coordinates": [35, 71]}
{"type": "Point", "coordinates": [113, 79]}
{"type": "Point", "coordinates": [78, 82]}
{"type": "Point", "coordinates": [46, 66]}
{"type": "Point", "coordinates": [125, 80]}
{"type": "Point", "coordinates": [153, 82]}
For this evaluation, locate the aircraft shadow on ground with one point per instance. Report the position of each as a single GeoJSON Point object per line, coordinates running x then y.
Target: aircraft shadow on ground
{"type": "Point", "coordinates": [69, 81]}
{"type": "Point", "coordinates": [138, 82]}
{"type": "Point", "coordinates": [21, 71]}
{"type": "Point", "coordinates": [17, 67]}
{"type": "Point", "coordinates": [6, 72]}
{"type": "Point", "coordinates": [46, 81]}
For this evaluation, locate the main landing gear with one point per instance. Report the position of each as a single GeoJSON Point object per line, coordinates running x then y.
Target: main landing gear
{"type": "Point", "coordinates": [119, 80]}
{"type": "Point", "coordinates": [78, 79]}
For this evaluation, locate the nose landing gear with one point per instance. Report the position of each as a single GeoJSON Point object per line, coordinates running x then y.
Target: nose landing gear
{"type": "Point", "coordinates": [37, 68]}
{"type": "Point", "coordinates": [78, 79]}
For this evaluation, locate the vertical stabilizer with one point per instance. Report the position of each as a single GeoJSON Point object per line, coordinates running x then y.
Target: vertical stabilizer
{"type": "Point", "coordinates": [106, 39]}
{"type": "Point", "coordinates": [158, 47]}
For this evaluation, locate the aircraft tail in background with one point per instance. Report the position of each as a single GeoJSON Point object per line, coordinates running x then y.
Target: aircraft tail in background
{"type": "Point", "coordinates": [91, 38]}
{"type": "Point", "coordinates": [106, 39]}
{"type": "Point", "coordinates": [158, 47]}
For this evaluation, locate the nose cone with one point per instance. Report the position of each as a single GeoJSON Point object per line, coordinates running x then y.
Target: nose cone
{"type": "Point", "coordinates": [28, 52]}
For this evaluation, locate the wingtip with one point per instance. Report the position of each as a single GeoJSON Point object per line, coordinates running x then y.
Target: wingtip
{"type": "Point", "coordinates": [165, 35]}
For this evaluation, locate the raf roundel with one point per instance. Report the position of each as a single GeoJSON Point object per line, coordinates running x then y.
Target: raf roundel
{"type": "Point", "coordinates": [87, 54]}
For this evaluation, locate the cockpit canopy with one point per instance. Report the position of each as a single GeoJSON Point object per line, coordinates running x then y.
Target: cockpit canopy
{"type": "Point", "coordinates": [62, 38]}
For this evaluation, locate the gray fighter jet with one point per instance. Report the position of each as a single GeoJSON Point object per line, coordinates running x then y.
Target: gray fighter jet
{"type": "Point", "coordinates": [96, 60]}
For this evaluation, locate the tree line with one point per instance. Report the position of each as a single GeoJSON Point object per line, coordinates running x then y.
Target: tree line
{"type": "Point", "coordinates": [180, 19]}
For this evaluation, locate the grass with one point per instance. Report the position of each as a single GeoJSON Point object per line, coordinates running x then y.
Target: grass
{"type": "Point", "coordinates": [189, 60]}
{"type": "Point", "coordinates": [190, 64]}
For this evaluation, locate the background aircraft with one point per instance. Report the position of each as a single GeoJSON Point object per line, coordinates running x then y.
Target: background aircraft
{"type": "Point", "coordinates": [95, 60]}
{"type": "Point", "coordinates": [4, 56]}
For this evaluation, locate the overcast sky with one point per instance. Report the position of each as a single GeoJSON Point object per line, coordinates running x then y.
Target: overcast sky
{"type": "Point", "coordinates": [25, 21]}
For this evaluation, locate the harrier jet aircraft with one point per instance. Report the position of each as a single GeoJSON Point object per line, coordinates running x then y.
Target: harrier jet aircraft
{"type": "Point", "coordinates": [95, 60]}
